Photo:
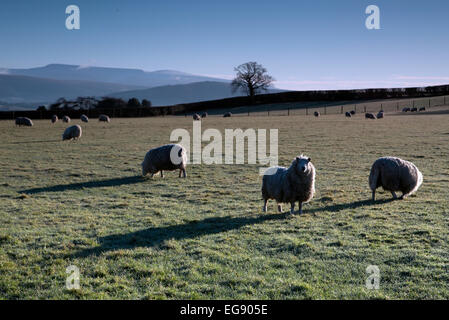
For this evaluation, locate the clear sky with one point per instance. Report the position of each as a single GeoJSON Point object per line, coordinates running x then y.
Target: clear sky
{"type": "Point", "coordinates": [304, 44]}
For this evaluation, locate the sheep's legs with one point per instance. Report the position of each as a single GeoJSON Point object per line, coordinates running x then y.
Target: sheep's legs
{"type": "Point", "coordinates": [292, 208]}
{"type": "Point", "coordinates": [162, 174]}
{"type": "Point", "coordinates": [374, 195]}
{"type": "Point", "coordinates": [394, 195]}
{"type": "Point", "coordinates": [183, 171]}
{"type": "Point", "coordinates": [265, 205]}
{"type": "Point", "coordinates": [280, 207]}
{"type": "Point", "coordinates": [300, 207]}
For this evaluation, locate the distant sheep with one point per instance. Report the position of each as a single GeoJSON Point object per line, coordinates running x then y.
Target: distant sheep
{"type": "Point", "coordinates": [316, 114]}
{"type": "Point", "coordinates": [352, 112]}
{"type": "Point", "coordinates": [297, 183]}
{"type": "Point", "coordinates": [66, 119]}
{"type": "Point", "coordinates": [104, 118]}
{"type": "Point", "coordinates": [422, 109]}
{"type": "Point", "coordinates": [394, 174]}
{"type": "Point", "coordinates": [414, 109]}
{"type": "Point", "coordinates": [405, 109]}
{"type": "Point", "coordinates": [204, 115]}
{"type": "Point", "coordinates": [196, 116]}
{"type": "Point", "coordinates": [54, 118]}
{"type": "Point", "coordinates": [24, 121]}
{"type": "Point", "coordinates": [168, 157]}
{"type": "Point", "coordinates": [380, 115]}
{"type": "Point", "coordinates": [73, 132]}
{"type": "Point", "coordinates": [84, 118]}
{"type": "Point", "coordinates": [348, 114]}
{"type": "Point", "coordinates": [227, 115]}
{"type": "Point", "coordinates": [370, 116]}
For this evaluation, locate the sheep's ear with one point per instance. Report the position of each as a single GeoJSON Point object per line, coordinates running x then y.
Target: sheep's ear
{"type": "Point", "coordinates": [309, 159]}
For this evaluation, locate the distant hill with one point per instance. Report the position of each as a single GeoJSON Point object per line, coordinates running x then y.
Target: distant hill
{"type": "Point", "coordinates": [134, 77]}
{"type": "Point", "coordinates": [25, 89]}
{"type": "Point", "coordinates": [185, 93]}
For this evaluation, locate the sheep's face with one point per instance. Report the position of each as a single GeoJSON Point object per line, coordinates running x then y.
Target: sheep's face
{"type": "Point", "coordinates": [302, 164]}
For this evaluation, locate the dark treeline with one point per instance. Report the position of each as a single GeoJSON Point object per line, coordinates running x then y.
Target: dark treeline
{"type": "Point", "coordinates": [133, 108]}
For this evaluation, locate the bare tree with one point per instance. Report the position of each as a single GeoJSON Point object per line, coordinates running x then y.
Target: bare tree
{"type": "Point", "coordinates": [252, 78]}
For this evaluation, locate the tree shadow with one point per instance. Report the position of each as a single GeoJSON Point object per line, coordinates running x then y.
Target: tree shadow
{"type": "Point", "coordinates": [91, 184]}
{"type": "Point", "coordinates": [153, 237]}
{"type": "Point", "coordinates": [351, 205]}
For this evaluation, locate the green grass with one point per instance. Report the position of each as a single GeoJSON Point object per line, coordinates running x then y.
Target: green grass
{"type": "Point", "coordinates": [205, 237]}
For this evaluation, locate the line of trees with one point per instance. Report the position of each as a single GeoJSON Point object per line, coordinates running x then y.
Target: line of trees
{"type": "Point", "coordinates": [90, 103]}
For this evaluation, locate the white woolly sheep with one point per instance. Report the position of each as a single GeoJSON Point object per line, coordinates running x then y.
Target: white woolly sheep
{"type": "Point", "coordinates": [227, 115]}
{"type": "Point", "coordinates": [348, 114]}
{"type": "Point", "coordinates": [54, 118]}
{"type": "Point", "coordinates": [24, 121]}
{"type": "Point", "coordinates": [414, 109]}
{"type": "Point", "coordinates": [167, 157]}
{"type": "Point", "coordinates": [104, 118]}
{"type": "Point", "coordinates": [422, 109]}
{"type": "Point", "coordinates": [394, 174]}
{"type": "Point", "coordinates": [297, 183]}
{"type": "Point", "coordinates": [66, 119]}
{"type": "Point", "coordinates": [84, 118]}
{"type": "Point", "coordinates": [316, 114]}
{"type": "Point", "coordinates": [73, 132]}
{"type": "Point", "coordinates": [196, 116]}
{"type": "Point", "coordinates": [204, 115]}
{"type": "Point", "coordinates": [405, 109]}
{"type": "Point", "coordinates": [352, 112]}
{"type": "Point", "coordinates": [370, 116]}
{"type": "Point", "coordinates": [380, 115]}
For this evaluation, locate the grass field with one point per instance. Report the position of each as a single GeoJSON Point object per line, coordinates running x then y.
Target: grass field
{"type": "Point", "coordinates": [205, 237]}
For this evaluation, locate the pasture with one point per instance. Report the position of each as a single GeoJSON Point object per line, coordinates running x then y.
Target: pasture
{"type": "Point", "coordinates": [205, 237]}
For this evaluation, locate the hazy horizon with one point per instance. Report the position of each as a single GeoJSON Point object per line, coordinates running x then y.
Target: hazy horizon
{"type": "Point", "coordinates": [304, 45]}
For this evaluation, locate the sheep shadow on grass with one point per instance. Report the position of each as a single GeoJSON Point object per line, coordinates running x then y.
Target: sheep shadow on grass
{"type": "Point", "coordinates": [90, 184]}
{"type": "Point", "coordinates": [155, 237]}
{"type": "Point", "coordinates": [351, 205]}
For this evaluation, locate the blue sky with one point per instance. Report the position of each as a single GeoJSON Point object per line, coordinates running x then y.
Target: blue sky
{"type": "Point", "coordinates": [303, 44]}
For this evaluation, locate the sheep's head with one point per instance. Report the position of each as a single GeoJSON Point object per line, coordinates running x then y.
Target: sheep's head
{"type": "Point", "coordinates": [302, 164]}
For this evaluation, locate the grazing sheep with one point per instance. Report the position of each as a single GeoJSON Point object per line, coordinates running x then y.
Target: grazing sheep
{"type": "Point", "coordinates": [204, 115]}
{"type": "Point", "coordinates": [394, 174]}
{"type": "Point", "coordinates": [414, 109]}
{"type": "Point", "coordinates": [288, 185]}
{"type": "Point", "coordinates": [422, 109]}
{"type": "Point", "coordinates": [352, 112]}
{"type": "Point", "coordinates": [196, 116]}
{"type": "Point", "coordinates": [405, 109]}
{"type": "Point", "coordinates": [380, 114]}
{"type": "Point", "coordinates": [24, 121]}
{"type": "Point", "coordinates": [104, 118]}
{"type": "Point", "coordinates": [370, 116]}
{"type": "Point", "coordinates": [84, 118]}
{"type": "Point", "coordinates": [66, 119]}
{"type": "Point", "coordinates": [73, 132]}
{"type": "Point", "coordinates": [54, 118]}
{"type": "Point", "coordinates": [168, 157]}
{"type": "Point", "coordinates": [348, 114]}
{"type": "Point", "coordinates": [316, 114]}
{"type": "Point", "coordinates": [227, 115]}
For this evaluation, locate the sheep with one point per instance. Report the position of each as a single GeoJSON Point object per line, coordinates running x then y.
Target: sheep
{"type": "Point", "coordinates": [380, 114]}
{"type": "Point", "coordinates": [54, 118]}
{"type": "Point", "coordinates": [66, 119]}
{"type": "Point", "coordinates": [167, 157]}
{"type": "Point", "coordinates": [422, 109]}
{"type": "Point", "coordinates": [394, 174]}
{"type": "Point", "coordinates": [370, 116]}
{"type": "Point", "coordinates": [316, 114]}
{"type": "Point", "coordinates": [227, 115]}
{"type": "Point", "coordinates": [204, 115]}
{"type": "Point", "coordinates": [24, 121]}
{"type": "Point", "coordinates": [104, 118]}
{"type": "Point", "coordinates": [73, 132]}
{"type": "Point", "coordinates": [352, 112]}
{"type": "Point", "coordinates": [288, 185]}
{"type": "Point", "coordinates": [196, 116]}
{"type": "Point", "coordinates": [406, 109]}
{"type": "Point", "coordinates": [84, 118]}
{"type": "Point", "coordinates": [348, 114]}
{"type": "Point", "coordinates": [413, 109]}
